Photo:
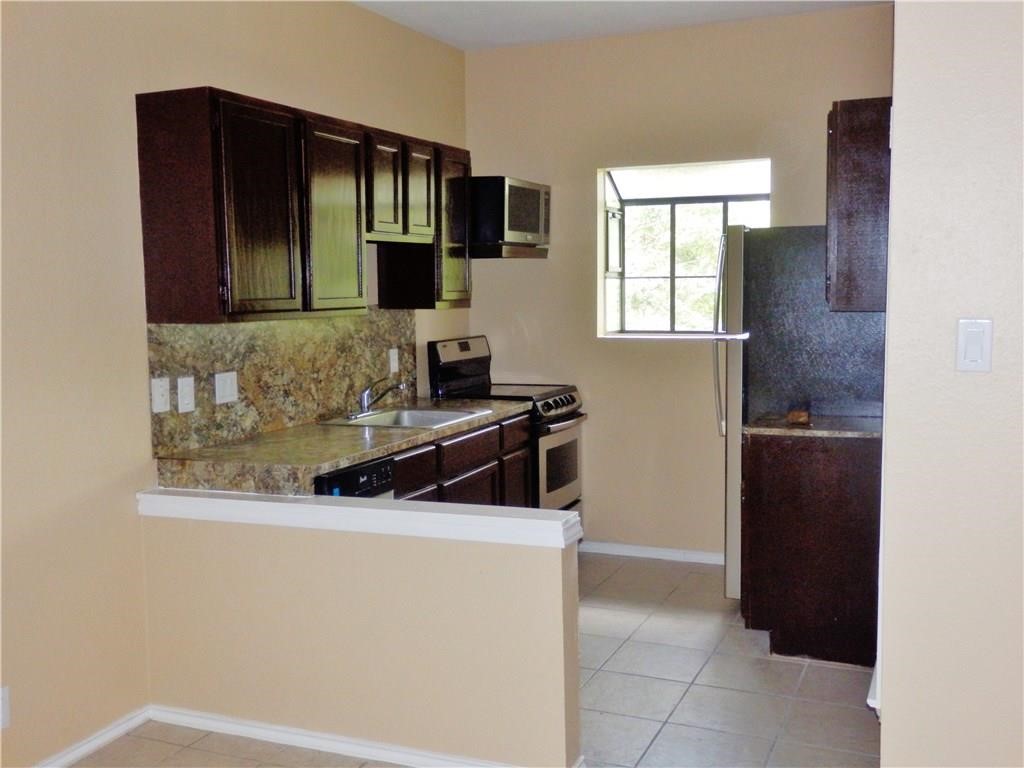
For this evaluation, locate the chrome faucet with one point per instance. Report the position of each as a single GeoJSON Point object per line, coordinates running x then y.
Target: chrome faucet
{"type": "Point", "coordinates": [366, 399]}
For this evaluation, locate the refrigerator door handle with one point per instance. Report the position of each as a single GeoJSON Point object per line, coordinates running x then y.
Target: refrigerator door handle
{"type": "Point", "coordinates": [717, 376]}
{"type": "Point", "coordinates": [715, 357]}
{"type": "Point", "coordinates": [720, 285]}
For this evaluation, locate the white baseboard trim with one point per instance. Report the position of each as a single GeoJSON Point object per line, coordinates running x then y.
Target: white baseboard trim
{"type": "Point", "coordinates": [655, 553]}
{"type": "Point", "coordinates": [101, 738]}
{"type": "Point", "coordinates": [278, 734]}
{"type": "Point", "coordinates": [299, 737]}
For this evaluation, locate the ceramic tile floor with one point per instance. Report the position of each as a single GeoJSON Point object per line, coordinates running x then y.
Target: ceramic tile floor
{"type": "Point", "coordinates": [669, 677]}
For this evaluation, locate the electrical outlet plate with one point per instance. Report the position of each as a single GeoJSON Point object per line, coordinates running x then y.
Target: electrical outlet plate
{"type": "Point", "coordinates": [393, 360]}
{"type": "Point", "coordinates": [225, 387]}
{"type": "Point", "coordinates": [160, 394]}
{"type": "Point", "coordinates": [186, 394]}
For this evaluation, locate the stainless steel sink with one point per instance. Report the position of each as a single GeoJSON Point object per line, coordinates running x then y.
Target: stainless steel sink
{"type": "Point", "coordinates": [422, 418]}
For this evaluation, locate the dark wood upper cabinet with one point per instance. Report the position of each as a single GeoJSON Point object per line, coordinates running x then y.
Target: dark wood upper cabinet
{"type": "Point", "coordinates": [454, 277]}
{"type": "Point", "coordinates": [334, 169]}
{"type": "Point", "coordinates": [261, 208]}
{"type": "Point", "coordinates": [384, 184]}
{"type": "Point", "coordinates": [419, 189]}
{"type": "Point", "coordinates": [857, 213]}
{"type": "Point", "coordinates": [435, 275]}
{"type": "Point", "coordinates": [180, 191]}
{"type": "Point", "coordinates": [400, 189]}
{"type": "Point", "coordinates": [249, 209]}
{"type": "Point", "coordinates": [255, 210]}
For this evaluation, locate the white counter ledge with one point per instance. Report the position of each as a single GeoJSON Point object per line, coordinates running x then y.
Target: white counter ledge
{"type": "Point", "coordinates": [433, 520]}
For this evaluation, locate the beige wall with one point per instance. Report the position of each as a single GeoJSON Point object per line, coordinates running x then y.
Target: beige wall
{"type": "Point", "coordinates": [952, 477]}
{"type": "Point", "coordinates": [653, 463]}
{"type": "Point", "coordinates": [75, 404]}
{"type": "Point", "coordinates": [419, 655]}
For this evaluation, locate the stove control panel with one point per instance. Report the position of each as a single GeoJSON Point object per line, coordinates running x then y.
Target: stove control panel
{"type": "Point", "coordinates": [559, 405]}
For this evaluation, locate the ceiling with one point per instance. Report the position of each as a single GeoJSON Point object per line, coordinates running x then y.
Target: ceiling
{"type": "Point", "coordinates": [475, 24]}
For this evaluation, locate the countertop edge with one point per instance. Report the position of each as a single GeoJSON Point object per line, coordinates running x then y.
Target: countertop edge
{"type": "Point", "coordinates": [808, 432]}
{"type": "Point", "coordinates": [226, 467]}
{"type": "Point", "coordinates": [432, 520]}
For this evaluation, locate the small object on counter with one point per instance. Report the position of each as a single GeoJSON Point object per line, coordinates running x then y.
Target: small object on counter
{"type": "Point", "coordinates": [799, 414]}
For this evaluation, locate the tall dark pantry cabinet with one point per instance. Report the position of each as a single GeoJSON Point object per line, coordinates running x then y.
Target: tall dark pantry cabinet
{"type": "Point", "coordinates": [814, 301]}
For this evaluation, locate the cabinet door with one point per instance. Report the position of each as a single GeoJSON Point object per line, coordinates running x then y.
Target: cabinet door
{"type": "Point", "coordinates": [414, 469]}
{"type": "Point", "coordinates": [384, 184]}
{"type": "Point", "coordinates": [481, 486]}
{"type": "Point", "coordinates": [334, 161]}
{"type": "Point", "coordinates": [516, 479]}
{"type": "Point", "coordinates": [460, 453]}
{"type": "Point", "coordinates": [261, 209]}
{"type": "Point", "coordinates": [430, 493]}
{"type": "Point", "coordinates": [857, 204]}
{"type": "Point", "coordinates": [454, 262]}
{"type": "Point", "coordinates": [419, 189]}
{"type": "Point", "coordinates": [812, 556]}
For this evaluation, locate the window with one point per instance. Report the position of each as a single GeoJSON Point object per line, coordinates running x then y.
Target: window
{"type": "Point", "coordinates": [662, 238]}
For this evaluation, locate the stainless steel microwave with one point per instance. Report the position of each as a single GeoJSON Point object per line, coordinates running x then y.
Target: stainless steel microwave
{"type": "Point", "coordinates": [506, 211]}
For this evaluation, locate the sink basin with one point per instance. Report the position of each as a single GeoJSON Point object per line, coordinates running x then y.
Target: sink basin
{"type": "Point", "coordinates": [429, 418]}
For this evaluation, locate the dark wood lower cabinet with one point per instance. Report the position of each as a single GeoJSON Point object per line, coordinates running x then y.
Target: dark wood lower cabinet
{"type": "Point", "coordinates": [516, 485]}
{"type": "Point", "coordinates": [430, 493]}
{"type": "Point", "coordinates": [810, 517]}
{"type": "Point", "coordinates": [461, 453]}
{"type": "Point", "coordinates": [480, 486]}
{"type": "Point", "coordinates": [490, 465]}
{"type": "Point", "coordinates": [413, 470]}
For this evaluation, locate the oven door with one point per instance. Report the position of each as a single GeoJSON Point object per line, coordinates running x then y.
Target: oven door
{"type": "Point", "coordinates": [559, 481]}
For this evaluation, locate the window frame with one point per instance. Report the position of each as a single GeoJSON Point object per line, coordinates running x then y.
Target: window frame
{"type": "Point", "coordinates": [620, 274]}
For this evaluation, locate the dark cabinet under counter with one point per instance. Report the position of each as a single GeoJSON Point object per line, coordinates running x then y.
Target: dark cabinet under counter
{"type": "Point", "coordinates": [810, 521]}
{"type": "Point", "coordinates": [490, 465]}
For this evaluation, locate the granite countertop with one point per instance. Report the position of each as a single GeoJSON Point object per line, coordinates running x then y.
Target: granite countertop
{"type": "Point", "coordinates": [820, 426]}
{"type": "Point", "coordinates": [286, 461]}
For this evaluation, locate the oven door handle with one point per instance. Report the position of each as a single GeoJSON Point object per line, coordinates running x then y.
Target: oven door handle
{"type": "Point", "coordinates": [561, 426]}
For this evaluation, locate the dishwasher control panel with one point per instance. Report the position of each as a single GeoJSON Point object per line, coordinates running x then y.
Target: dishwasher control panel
{"type": "Point", "coordinates": [374, 478]}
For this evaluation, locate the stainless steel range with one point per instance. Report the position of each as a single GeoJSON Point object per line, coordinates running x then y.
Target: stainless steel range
{"type": "Point", "coordinates": [461, 369]}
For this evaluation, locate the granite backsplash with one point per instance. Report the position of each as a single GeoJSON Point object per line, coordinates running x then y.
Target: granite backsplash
{"type": "Point", "coordinates": [290, 372]}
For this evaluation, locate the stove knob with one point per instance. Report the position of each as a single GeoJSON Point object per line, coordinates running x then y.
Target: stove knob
{"type": "Point", "coordinates": [572, 399]}
{"type": "Point", "coordinates": [546, 406]}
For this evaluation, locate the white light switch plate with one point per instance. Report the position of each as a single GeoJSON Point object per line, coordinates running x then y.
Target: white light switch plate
{"type": "Point", "coordinates": [974, 345]}
{"type": "Point", "coordinates": [186, 394]}
{"type": "Point", "coordinates": [225, 387]}
{"type": "Point", "coordinates": [160, 394]}
{"type": "Point", "coordinates": [393, 360]}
